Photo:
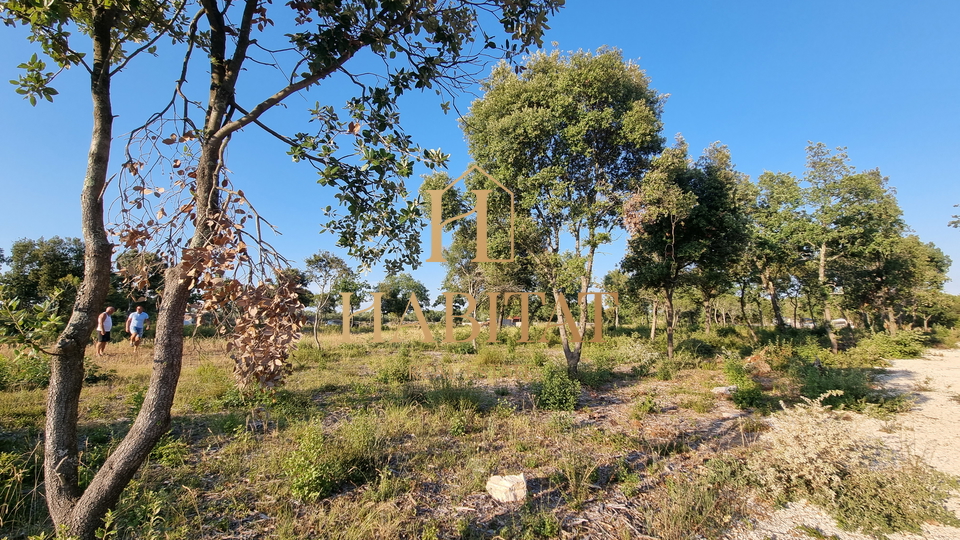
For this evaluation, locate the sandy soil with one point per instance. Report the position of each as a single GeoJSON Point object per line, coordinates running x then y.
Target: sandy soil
{"type": "Point", "coordinates": [930, 430]}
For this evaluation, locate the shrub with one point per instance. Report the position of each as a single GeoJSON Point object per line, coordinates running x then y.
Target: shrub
{"type": "Point", "coordinates": [323, 463]}
{"type": "Point", "coordinates": [26, 371]}
{"type": "Point", "coordinates": [749, 393]}
{"type": "Point", "coordinates": [644, 406]}
{"type": "Point", "coordinates": [461, 348]}
{"type": "Point", "coordinates": [811, 454]}
{"type": "Point", "coordinates": [556, 391]}
{"type": "Point", "coordinates": [875, 350]}
{"type": "Point", "coordinates": [396, 368]}
{"type": "Point", "coordinates": [855, 389]}
{"type": "Point", "coordinates": [595, 376]}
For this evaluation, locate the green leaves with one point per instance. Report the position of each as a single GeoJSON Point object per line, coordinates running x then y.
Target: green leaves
{"type": "Point", "coordinates": [33, 83]}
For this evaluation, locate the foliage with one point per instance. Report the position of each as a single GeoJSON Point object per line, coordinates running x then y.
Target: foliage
{"type": "Point", "coordinates": [687, 225]}
{"type": "Point", "coordinates": [570, 136]}
{"type": "Point", "coordinates": [397, 291]}
{"type": "Point", "coordinates": [44, 270]}
{"type": "Point", "coordinates": [325, 461]}
{"type": "Point", "coordinates": [877, 349]}
{"type": "Point", "coordinates": [24, 371]}
{"type": "Point", "coordinates": [812, 454]}
{"type": "Point", "coordinates": [556, 391]}
{"type": "Point", "coordinates": [749, 393]}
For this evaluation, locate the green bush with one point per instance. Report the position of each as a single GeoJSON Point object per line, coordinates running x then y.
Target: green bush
{"type": "Point", "coordinates": [877, 349]}
{"type": "Point", "coordinates": [461, 348]}
{"type": "Point", "coordinates": [856, 389]}
{"type": "Point", "coordinates": [396, 368]}
{"type": "Point", "coordinates": [25, 371]}
{"type": "Point", "coordinates": [556, 391]}
{"type": "Point", "coordinates": [749, 393]}
{"type": "Point", "coordinates": [323, 463]}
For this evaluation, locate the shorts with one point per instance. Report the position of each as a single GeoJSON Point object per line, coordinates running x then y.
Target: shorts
{"type": "Point", "coordinates": [105, 337]}
{"type": "Point", "coordinates": [137, 331]}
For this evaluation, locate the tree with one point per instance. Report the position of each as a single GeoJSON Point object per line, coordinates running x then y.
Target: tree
{"type": "Point", "coordinates": [686, 224]}
{"type": "Point", "coordinates": [398, 291]}
{"type": "Point", "coordinates": [39, 269]}
{"type": "Point", "coordinates": [729, 193]}
{"type": "Point", "coordinates": [324, 269]}
{"type": "Point", "coordinates": [196, 223]}
{"type": "Point", "coordinates": [849, 213]}
{"type": "Point", "coordinates": [110, 26]}
{"type": "Point", "coordinates": [570, 136]}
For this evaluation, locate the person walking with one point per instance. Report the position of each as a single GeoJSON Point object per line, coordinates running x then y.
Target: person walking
{"type": "Point", "coordinates": [104, 325]}
{"type": "Point", "coordinates": [136, 323]}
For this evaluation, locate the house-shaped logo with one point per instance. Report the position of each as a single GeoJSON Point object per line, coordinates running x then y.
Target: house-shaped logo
{"type": "Point", "coordinates": [437, 223]}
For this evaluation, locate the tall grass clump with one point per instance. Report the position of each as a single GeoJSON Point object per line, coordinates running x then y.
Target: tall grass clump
{"type": "Point", "coordinates": [812, 454]}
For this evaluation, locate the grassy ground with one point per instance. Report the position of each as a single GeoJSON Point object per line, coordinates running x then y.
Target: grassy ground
{"type": "Point", "coordinates": [385, 440]}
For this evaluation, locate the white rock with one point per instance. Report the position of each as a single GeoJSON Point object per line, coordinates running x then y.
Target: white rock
{"type": "Point", "coordinates": [725, 390]}
{"type": "Point", "coordinates": [510, 488]}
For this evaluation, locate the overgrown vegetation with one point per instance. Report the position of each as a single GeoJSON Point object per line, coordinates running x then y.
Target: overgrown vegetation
{"type": "Point", "coordinates": [364, 432]}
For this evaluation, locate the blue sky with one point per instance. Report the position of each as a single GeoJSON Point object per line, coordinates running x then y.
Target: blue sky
{"type": "Point", "coordinates": [881, 78]}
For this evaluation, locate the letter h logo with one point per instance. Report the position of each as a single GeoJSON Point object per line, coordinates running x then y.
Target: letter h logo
{"type": "Point", "coordinates": [437, 222]}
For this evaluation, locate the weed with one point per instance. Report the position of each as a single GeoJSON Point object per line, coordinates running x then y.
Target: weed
{"type": "Point", "coordinates": [749, 393]}
{"type": "Point", "coordinates": [578, 472]}
{"type": "Point", "coordinates": [690, 508]}
{"type": "Point", "coordinates": [396, 369]}
{"type": "Point", "coordinates": [926, 385]}
{"type": "Point", "coordinates": [323, 463]}
{"type": "Point", "coordinates": [642, 407]}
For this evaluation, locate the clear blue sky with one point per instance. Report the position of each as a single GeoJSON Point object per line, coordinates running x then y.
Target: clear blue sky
{"type": "Point", "coordinates": [881, 78]}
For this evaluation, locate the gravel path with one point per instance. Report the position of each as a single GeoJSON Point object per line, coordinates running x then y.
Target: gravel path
{"type": "Point", "coordinates": [930, 430]}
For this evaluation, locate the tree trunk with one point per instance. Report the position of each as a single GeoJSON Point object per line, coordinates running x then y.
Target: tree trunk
{"type": "Point", "coordinates": [668, 295]}
{"type": "Point", "coordinates": [771, 288]}
{"type": "Point", "coordinates": [743, 312]}
{"type": "Point", "coordinates": [61, 478]}
{"type": "Point", "coordinates": [653, 324]}
{"type": "Point", "coordinates": [834, 344]}
{"type": "Point", "coordinates": [706, 314]}
{"type": "Point", "coordinates": [892, 326]}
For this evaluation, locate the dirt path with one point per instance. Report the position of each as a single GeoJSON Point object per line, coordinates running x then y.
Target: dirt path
{"type": "Point", "coordinates": [930, 430]}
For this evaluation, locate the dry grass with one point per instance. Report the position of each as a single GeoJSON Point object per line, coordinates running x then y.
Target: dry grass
{"type": "Point", "coordinates": [408, 457]}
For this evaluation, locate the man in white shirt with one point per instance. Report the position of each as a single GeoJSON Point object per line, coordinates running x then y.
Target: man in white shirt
{"type": "Point", "coordinates": [136, 323]}
{"type": "Point", "coordinates": [104, 325]}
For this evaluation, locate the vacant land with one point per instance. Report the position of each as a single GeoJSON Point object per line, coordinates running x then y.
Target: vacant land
{"type": "Point", "coordinates": [382, 440]}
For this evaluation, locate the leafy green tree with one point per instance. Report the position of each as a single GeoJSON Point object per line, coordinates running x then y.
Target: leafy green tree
{"type": "Point", "coordinates": [352, 283]}
{"type": "Point", "coordinates": [40, 269]}
{"type": "Point", "coordinates": [570, 136]}
{"type": "Point", "coordinates": [397, 294]}
{"type": "Point", "coordinates": [850, 214]}
{"type": "Point", "coordinates": [434, 48]}
{"type": "Point", "coordinates": [325, 270]}
{"type": "Point", "coordinates": [728, 193]}
{"type": "Point", "coordinates": [686, 223]}
{"type": "Point", "coordinates": [779, 227]}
